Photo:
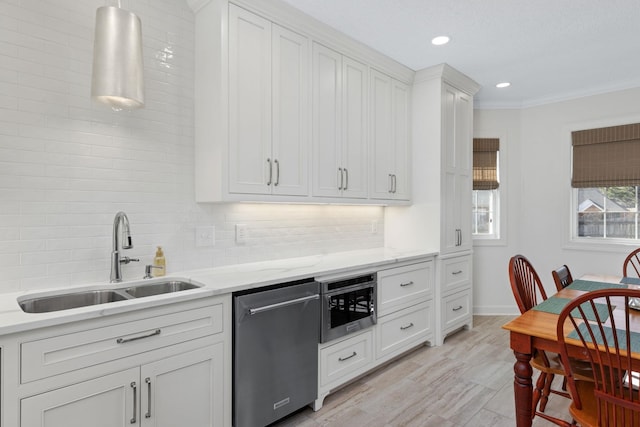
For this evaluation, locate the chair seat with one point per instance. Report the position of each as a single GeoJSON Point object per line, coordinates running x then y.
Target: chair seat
{"type": "Point", "coordinates": [581, 369]}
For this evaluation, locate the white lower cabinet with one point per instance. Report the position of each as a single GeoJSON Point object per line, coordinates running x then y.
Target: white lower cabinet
{"type": "Point", "coordinates": [176, 391]}
{"type": "Point", "coordinates": [406, 319]}
{"type": "Point", "coordinates": [404, 329]}
{"type": "Point", "coordinates": [164, 366]}
{"type": "Point", "coordinates": [456, 295]}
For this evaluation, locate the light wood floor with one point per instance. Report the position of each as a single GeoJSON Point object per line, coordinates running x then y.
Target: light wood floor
{"type": "Point", "coordinates": [466, 382]}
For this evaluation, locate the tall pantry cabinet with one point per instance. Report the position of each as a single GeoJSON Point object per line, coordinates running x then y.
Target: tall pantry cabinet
{"type": "Point", "coordinates": [440, 218]}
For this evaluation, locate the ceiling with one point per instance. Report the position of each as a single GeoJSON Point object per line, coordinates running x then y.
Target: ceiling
{"type": "Point", "coordinates": [549, 50]}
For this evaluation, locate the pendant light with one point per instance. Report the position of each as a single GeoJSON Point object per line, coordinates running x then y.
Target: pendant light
{"type": "Point", "coordinates": [117, 78]}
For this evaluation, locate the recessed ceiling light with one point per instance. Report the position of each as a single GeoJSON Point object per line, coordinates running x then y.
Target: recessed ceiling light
{"type": "Point", "coordinates": [503, 85]}
{"type": "Point", "coordinates": [440, 40]}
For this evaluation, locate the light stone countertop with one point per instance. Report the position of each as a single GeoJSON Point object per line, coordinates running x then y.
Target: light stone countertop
{"type": "Point", "coordinates": [214, 281]}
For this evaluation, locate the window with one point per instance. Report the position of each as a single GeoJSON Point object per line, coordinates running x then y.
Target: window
{"type": "Point", "coordinates": [485, 195]}
{"type": "Point", "coordinates": [605, 180]}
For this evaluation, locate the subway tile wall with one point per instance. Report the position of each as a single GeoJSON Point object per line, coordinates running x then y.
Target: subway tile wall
{"type": "Point", "coordinates": [67, 165]}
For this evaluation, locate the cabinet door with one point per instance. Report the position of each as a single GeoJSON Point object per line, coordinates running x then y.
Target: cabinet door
{"type": "Point", "coordinates": [327, 112]}
{"type": "Point", "coordinates": [250, 160]}
{"type": "Point", "coordinates": [290, 62]}
{"type": "Point", "coordinates": [383, 153]}
{"type": "Point", "coordinates": [184, 390]}
{"type": "Point", "coordinates": [354, 128]}
{"type": "Point", "coordinates": [401, 147]}
{"type": "Point", "coordinates": [107, 401]}
{"type": "Point", "coordinates": [456, 170]}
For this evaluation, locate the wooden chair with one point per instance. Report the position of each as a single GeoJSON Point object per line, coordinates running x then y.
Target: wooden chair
{"type": "Point", "coordinates": [528, 292]}
{"type": "Point", "coordinates": [562, 277]}
{"type": "Point", "coordinates": [606, 400]}
{"type": "Point", "coordinates": [631, 265]}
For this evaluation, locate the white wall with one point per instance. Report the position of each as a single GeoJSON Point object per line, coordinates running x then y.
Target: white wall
{"type": "Point", "coordinates": [538, 193]}
{"type": "Point", "coordinates": [67, 166]}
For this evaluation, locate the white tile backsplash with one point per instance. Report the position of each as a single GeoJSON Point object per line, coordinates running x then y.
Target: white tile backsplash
{"type": "Point", "coordinates": [68, 165]}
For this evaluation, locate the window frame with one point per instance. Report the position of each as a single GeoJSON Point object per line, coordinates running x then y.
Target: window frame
{"type": "Point", "coordinates": [572, 240]}
{"type": "Point", "coordinates": [499, 237]}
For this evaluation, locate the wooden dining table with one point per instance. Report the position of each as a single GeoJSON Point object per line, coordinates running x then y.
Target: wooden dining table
{"type": "Point", "coordinates": [537, 329]}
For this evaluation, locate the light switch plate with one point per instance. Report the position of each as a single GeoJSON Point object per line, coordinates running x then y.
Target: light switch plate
{"type": "Point", "coordinates": [241, 233]}
{"type": "Point", "coordinates": [205, 236]}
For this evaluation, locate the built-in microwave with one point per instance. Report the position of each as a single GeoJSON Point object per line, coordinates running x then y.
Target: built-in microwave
{"type": "Point", "coordinates": [348, 305]}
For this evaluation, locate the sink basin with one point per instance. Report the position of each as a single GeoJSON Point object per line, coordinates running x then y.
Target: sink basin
{"type": "Point", "coordinates": [65, 301]}
{"type": "Point", "coordinates": [150, 289]}
{"type": "Point", "coordinates": [47, 304]}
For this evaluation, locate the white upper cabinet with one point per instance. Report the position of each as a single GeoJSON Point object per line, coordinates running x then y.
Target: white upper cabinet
{"type": "Point", "coordinates": [339, 125]}
{"type": "Point", "coordinates": [391, 172]}
{"type": "Point", "coordinates": [282, 109]}
{"type": "Point", "coordinates": [268, 107]}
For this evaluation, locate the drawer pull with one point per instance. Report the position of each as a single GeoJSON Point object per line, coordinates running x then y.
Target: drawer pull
{"type": "Point", "coordinates": [342, 359]}
{"type": "Point", "coordinates": [406, 284]}
{"type": "Point", "coordinates": [135, 402]}
{"type": "Point", "coordinates": [456, 272]}
{"type": "Point", "coordinates": [458, 308]}
{"type": "Point", "coordinates": [125, 340]}
{"type": "Point", "coordinates": [410, 325]}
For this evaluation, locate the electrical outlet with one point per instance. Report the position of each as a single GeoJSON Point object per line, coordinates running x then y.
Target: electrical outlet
{"type": "Point", "coordinates": [374, 226]}
{"type": "Point", "coordinates": [205, 236]}
{"type": "Point", "coordinates": [241, 233]}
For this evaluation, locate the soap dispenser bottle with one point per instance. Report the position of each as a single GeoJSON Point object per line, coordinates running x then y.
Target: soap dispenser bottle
{"type": "Point", "coordinates": [159, 261]}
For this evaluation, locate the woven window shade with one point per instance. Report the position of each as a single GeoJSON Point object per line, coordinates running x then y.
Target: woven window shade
{"type": "Point", "coordinates": [485, 163]}
{"type": "Point", "coordinates": [606, 157]}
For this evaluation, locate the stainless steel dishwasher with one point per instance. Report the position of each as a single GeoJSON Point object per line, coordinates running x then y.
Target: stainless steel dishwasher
{"type": "Point", "coordinates": [275, 352]}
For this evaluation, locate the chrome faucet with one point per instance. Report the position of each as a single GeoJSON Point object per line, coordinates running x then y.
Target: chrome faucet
{"type": "Point", "coordinates": [120, 230]}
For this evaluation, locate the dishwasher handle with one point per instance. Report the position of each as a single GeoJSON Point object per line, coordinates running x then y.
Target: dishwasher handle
{"type": "Point", "coordinates": [262, 309]}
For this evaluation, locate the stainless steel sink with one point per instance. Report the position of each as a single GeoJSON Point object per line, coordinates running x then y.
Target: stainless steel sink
{"type": "Point", "coordinates": [46, 304]}
{"type": "Point", "coordinates": [65, 301]}
{"type": "Point", "coordinates": [150, 289]}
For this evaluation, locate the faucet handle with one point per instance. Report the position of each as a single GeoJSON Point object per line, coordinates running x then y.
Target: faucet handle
{"type": "Point", "coordinates": [127, 260]}
{"type": "Point", "coordinates": [147, 271]}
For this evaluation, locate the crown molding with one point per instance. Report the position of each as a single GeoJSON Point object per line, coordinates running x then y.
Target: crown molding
{"type": "Point", "coordinates": [449, 75]}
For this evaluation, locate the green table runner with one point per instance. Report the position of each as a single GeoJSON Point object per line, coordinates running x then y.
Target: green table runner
{"type": "Point", "coordinates": [587, 285]}
{"type": "Point", "coordinates": [608, 334]}
{"type": "Point", "coordinates": [555, 305]}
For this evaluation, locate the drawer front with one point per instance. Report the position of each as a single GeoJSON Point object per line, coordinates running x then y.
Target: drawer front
{"type": "Point", "coordinates": [456, 309]}
{"type": "Point", "coordinates": [403, 286]}
{"type": "Point", "coordinates": [404, 328]}
{"type": "Point", "coordinates": [43, 358]}
{"type": "Point", "coordinates": [346, 359]}
{"type": "Point", "coordinates": [456, 273]}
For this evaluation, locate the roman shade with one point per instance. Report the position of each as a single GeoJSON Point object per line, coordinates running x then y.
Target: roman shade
{"type": "Point", "coordinates": [606, 157]}
{"type": "Point", "coordinates": [485, 163]}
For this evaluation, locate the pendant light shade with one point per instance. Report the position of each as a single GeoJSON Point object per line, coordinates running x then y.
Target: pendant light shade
{"type": "Point", "coordinates": [117, 78]}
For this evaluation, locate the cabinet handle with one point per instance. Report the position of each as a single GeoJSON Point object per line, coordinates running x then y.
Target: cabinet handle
{"type": "Point", "coordinates": [458, 237]}
{"type": "Point", "coordinates": [458, 308]}
{"type": "Point", "coordinates": [148, 381]}
{"type": "Point", "coordinates": [342, 359]}
{"type": "Point", "coordinates": [270, 171]}
{"type": "Point", "coordinates": [456, 272]}
{"type": "Point", "coordinates": [341, 175]}
{"type": "Point", "coordinates": [125, 340]}
{"type": "Point", "coordinates": [395, 183]}
{"type": "Point", "coordinates": [135, 402]}
{"type": "Point", "coordinates": [410, 325]}
{"type": "Point", "coordinates": [346, 179]}
{"type": "Point", "coordinates": [390, 183]}
{"type": "Point", "coordinates": [406, 284]}
{"type": "Point", "coordinates": [277, 172]}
